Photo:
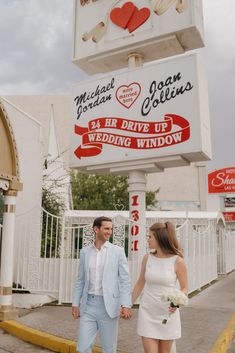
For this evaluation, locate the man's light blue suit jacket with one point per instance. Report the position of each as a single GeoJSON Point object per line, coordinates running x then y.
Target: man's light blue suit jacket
{"type": "Point", "coordinates": [116, 281]}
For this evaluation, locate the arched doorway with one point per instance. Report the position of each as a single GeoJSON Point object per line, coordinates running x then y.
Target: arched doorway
{"type": "Point", "coordinates": [9, 186]}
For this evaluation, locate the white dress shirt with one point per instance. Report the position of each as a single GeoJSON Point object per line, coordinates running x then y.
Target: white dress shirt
{"type": "Point", "coordinates": [96, 269]}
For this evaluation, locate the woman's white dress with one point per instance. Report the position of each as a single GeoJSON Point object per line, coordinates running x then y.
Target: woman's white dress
{"type": "Point", "coordinates": [160, 277]}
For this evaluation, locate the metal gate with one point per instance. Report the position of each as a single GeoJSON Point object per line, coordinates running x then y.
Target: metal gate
{"type": "Point", "coordinates": [49, 263]}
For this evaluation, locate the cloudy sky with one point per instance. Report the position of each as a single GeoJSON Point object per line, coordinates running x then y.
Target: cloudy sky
{"type": "Point", "coordinates": [36, 47]}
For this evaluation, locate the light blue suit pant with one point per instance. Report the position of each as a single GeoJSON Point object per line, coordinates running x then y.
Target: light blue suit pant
{"type": "Point", "coordinates": [95, 319]}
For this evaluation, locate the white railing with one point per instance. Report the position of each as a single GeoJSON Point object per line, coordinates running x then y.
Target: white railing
{"type": "Point", "coordinates": [48, 263]}
{"type": "Point", "coordinates": [201, 255]}
{"type": "Point", "coordinates": [50, 252]}
{"type": "Point", "coordinates": [230, 251]}
{"type": "Point", "coordinates": [27, 244]}
{"type": "Point", "coordinates": [226, 250]}
{"type": "Point", "coordinates": [197, 238]}
{"type": "Point", "coordinates": [75, 237]}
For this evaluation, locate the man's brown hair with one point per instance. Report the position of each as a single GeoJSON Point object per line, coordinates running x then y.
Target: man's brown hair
{"type": "Point", "coordinates": [98, 221]}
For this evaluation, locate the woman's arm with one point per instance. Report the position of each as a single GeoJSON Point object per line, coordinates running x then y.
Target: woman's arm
{"type": "Point", "coordinates": [181, 272]}
{"type": "Point", "coordinates": [141, 280]}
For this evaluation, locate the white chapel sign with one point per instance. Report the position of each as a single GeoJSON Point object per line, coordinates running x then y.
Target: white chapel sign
{"type": "Point", "coordinates": [141, 114]}
{"type": "Point", "coordinates": [106, 31]}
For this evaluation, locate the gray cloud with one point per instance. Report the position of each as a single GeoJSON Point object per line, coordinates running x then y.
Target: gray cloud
{"type": "Point", "coordinates": [36, 42]}
{"type": "Point", "coordinates": [219, 56]}
{"type": "Point", "coordinates": [36, 50]}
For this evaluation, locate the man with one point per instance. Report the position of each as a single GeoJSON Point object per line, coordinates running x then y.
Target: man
{"type": "Point", "coordinates": [102, 290]}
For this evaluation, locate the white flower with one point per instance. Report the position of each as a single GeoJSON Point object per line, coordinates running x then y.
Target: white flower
{"type": "Point", "coordinates": [176, 297]}
{"type": "Point", "coordinates": [164, 298]}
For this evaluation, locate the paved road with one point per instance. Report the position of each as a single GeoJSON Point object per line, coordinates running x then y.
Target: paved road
{"type": "Point", "coordinates": [232, 347]}
{"type": "Point", "coordinates": [203, 321]}
{"type": "Point", "coordinates": [11, 344]}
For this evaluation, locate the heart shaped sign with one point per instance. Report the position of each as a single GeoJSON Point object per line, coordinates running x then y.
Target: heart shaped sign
{"type": "Point", "coordinates": [138, 18]}
{"type": "Point", "coordinates": [129, 16]}
{"type": "Point", "coordinates": [127, 95]}
{"type": "Point", "coordinates": [120, 16]}
{"type": "Point", "coordinates": [119, 207]}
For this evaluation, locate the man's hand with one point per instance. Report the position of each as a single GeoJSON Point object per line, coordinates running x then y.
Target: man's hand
{"type": "Point", "coordinates": [125, 313]}
{"type": "Point", "coordinates": [75, 312]}
{"type": "Point", "coordinates": [172, 310]}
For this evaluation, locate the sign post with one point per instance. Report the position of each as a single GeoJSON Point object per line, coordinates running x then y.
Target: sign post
{"type": "Point", "coordinates": [137, 197]}
{"type": "Point", "coordinates": [137, 203]}
{"type": "Point", "coordinates": [141, 121]}
{"type": "Point", "coordinates": [149, 117]}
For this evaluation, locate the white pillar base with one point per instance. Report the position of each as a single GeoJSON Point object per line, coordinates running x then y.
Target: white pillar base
{"type": "Point", "coordinates": [7, 311]}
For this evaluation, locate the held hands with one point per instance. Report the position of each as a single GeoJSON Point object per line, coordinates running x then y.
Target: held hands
{"type": "Point", "coordinates": [125, 313]}
{"type": "Point", "coordinates": [172, 310]}
{"type": "Point", "coordinates": [75, 312]}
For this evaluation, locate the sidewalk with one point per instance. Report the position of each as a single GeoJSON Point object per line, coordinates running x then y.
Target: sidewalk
{"type": "Point", "coordinates": [207, 323]}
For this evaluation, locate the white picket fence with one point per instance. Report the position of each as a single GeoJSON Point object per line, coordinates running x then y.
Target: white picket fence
{"type": "Point", "coordinates": [49, 265]}
{"type": "Point", "coordinates": [226, 251]}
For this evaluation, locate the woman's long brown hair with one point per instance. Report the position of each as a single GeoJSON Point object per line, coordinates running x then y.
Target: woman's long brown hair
{"type": "Point", "coordinates": [165, 235]}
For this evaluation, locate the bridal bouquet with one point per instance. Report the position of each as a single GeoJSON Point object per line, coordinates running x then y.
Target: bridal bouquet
{"type": "Point", "coordinates": [176, 298]}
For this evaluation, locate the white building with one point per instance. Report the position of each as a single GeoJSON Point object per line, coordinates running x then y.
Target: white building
{"type": "Point", "coordinates": [53, 115]}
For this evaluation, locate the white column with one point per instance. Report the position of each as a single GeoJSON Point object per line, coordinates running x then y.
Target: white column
{"type": "Point", "coordinates": [7, 255]}
{"type": "Point", "coordinates": [137, 202]}
{"type": "Point", "coordinates": [135, 60]}
{"type": "Point", "coordinates": [137, 207]}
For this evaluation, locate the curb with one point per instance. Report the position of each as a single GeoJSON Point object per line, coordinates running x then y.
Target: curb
{"type": "Point", "coordinates": [223, 341]}
{"type": "Point", "coordinates": [42, 339]}
{"type": "Point", "coordinates": [62, 345]}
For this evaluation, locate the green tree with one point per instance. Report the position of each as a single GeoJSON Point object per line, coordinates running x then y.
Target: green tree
{"type": "Point", "coordinates": [103, 192]}
{"type": "Point", "coordinates": [51, 202]}
{"type": "Point", "coordinates": [54, 205]}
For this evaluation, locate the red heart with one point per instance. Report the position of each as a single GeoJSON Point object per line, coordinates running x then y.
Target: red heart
{"type": "Point", "coordinates": [138, 18]}
{"type": "Point", "coordinates": [120, 16]}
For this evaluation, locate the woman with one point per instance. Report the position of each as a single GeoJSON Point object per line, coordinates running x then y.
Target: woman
{"type": "Point", "coordinates": [160, 271]}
